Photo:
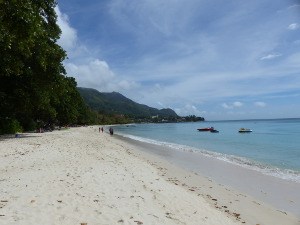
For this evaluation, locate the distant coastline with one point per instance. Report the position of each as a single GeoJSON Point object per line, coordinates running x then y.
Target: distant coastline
{"type": "Point", "coordinates": [289, 118]}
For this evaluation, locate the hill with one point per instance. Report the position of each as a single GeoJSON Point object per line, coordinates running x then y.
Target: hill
{"type": "Point", "coordinates": [117, 103]}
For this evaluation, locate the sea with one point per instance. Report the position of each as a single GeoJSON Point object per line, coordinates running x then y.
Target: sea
{"type": "Point", "coordinates": [272, 148]}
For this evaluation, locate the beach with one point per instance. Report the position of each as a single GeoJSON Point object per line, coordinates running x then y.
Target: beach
{"type": "Point", "coordinates": [83, 176]}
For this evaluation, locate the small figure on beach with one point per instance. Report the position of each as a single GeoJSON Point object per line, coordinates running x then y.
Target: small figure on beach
{"type": "Point", "coordinates": [102, 129]}
{"type": "Point", "coordinates": [111, 131]}
{"type": "Point", "coordinates": [99, 129]}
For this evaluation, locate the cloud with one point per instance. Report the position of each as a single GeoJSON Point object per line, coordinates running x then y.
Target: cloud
{"type": "Point", "coordinates": [206, 56]}
{"type": "Point", "coordinates": [260, 104]}
{"type": "Point", "coordinates": [92, 72]}
{"type": "Point", "coordinates": [238, 104]}
{"type": "Point", "coordinates": [189, 109]}
{"type": "Point", "coordinates": [270, 56]}
{"type": "Point", "coordinates": [293, 26]}
{"type": "Point", "coordinates": [152, 16]}
{"type": "Point", "coordinates": [294, 6]}
{"type": "Point", "coordinates": [226, 106]}
{"type": "Point", "coordinates": [68, 36]}
{"type": "Point", "coordinates": [232, 105]}
{"type": "Point", "coordinates": [161, 104]}
{"type": "Point", "coordinates": [97, 74]}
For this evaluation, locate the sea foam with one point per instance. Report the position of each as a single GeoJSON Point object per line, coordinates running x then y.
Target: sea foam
{"type": "Point", "coordinates": [285, 174]}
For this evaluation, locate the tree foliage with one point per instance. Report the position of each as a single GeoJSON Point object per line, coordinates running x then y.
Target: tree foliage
{"type": "Point", "coordinates": [33, 84]}
{"type": "Point", "coordinates": [193, 118]}
{"type": "Point", "coordinates": [34, 88]}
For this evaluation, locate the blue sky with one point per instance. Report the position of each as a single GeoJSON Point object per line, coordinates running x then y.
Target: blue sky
{"type": "Point", "coordinates": [232, 59]}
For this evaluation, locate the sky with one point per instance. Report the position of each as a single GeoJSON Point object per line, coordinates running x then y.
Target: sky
{"type": "Point", "coordinates": [222, 60]}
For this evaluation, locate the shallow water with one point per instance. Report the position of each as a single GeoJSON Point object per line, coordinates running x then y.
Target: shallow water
{"type": "Point", "coordinates": [272, 148]}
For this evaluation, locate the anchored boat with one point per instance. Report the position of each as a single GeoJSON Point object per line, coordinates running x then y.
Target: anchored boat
{"type": "Point", "coordinates": [206, 129]}
{"type": "Point", "coordinates": [243, 130]}
{"type": "Point", "coordinates": [214, 131]}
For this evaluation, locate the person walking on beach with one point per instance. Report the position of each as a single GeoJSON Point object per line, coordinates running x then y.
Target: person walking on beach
{"type": "Point", "coordinates": [111, 131]}
{"type": "Point", "coordinates": [102, 129]}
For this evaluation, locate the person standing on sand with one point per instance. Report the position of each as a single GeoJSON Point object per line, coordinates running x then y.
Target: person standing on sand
{"type": "Point", "coordinates": [102, 129]}
{"type": "Point", "coordinates": [111, 131]}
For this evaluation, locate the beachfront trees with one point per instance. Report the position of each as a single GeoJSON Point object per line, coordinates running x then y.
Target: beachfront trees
{"type": "Point", "coordinates": [33, 85]}
{"type": "Point", "coordinates": [26, 26]}
{"type": "Point", "coordinates": [31, 61]}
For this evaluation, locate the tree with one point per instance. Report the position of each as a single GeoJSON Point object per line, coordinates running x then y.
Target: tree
{"type": "Point", "coordinates": [25, 27]}
{"type": "Point", "coordinates": [34, 89]}
{"type": "Point", "coordinates": [33, 85]}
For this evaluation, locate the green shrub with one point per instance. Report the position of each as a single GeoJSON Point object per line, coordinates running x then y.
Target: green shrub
{"type": "Point", "coordinates": [9, 126]}
{"type": "Point", "coordinates": [30, 125]}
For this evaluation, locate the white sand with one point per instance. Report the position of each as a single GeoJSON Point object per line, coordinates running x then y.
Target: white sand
{"type": "Point", "coordinates": [81, 176]}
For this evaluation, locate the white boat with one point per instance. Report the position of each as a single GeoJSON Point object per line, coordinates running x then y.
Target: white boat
{"type": "Point", "coordinates": [243, 130]}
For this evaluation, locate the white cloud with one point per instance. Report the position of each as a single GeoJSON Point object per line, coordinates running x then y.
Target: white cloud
{"type": "Point", "coordinates": [226, 106]}
{"type": "Point", "coordinates": [294, 6]}
{"type": "Point", "coordinates": [293, 26]}
{"type": "Point", "coordinates": [161, 16]}
{"type": "Point", "coordinates": [157, 88]}
{"type": "Point", "coordinates": [233, 105]}
{"type": "Point", "coordinates": [270, 56]}
{"type": "Point", "coordinates": [189, 109]}
{"type": "Point", "coordinates": [238, 104]}
{"type": "Point", "coordinates": [179, 60]}
{"type": "Point", "coordinates": [260, 104]}
{"type": "Point", "coordinates": [92, 73]}
{"type": "Point", "coordinates": [97, 74]}
{"type": "Point", "coordinates": [161, 104]}
{"type": "Point", "coordinates": [68, 36]}
{"type": "Point", "coordinates": [124, 85]}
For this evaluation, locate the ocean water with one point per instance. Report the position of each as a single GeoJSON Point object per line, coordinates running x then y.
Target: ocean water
{"type": "Point", "coordinates": [273, 147]}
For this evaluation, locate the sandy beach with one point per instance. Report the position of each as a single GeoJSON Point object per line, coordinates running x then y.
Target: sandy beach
{"type": "Point", "coordinates": [81, 176]}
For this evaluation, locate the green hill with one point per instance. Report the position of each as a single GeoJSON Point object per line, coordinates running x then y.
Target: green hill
{"type": "Point", "coordinates": [117, 103]}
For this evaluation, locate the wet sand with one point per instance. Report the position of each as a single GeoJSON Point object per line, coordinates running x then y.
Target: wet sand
{"type": "Point", "coordinates": [260, 198]}
{"type": "Point", "coordinates": [282, 194]}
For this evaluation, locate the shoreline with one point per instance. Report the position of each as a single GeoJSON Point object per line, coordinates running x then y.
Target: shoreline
{"type": "Point", "coordinates": [81, 176]}
{"type": "Point", "coordinates": [239, 161]}
{"type": "Point", "coordinates": [281, 193]}
{"type": "Point", "coordinates": [215, 184]}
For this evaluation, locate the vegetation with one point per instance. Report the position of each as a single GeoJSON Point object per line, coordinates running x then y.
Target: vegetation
{"type": "Point", "coordinates": [193, 118]}
{"type": "Point", "coordinates": [116, 103]}
{"type": "Point", "coordinates": [34, 89]}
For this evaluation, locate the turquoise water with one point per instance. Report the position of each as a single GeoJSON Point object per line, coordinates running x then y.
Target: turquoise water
{"type": "Point", "coordinates": [272, 148]}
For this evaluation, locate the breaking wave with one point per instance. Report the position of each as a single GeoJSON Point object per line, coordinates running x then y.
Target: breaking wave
{"type": "Point", "coordinates": [285, 174]}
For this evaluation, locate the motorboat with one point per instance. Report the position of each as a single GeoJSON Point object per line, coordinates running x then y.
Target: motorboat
{"type": "Point", "coordinates": [206, 129]}
{"type": "Point", "coordinates": [243, 130]}
{"type": "Point", "coordinates": [214, 131]}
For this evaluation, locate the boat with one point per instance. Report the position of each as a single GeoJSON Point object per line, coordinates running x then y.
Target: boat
{"type": "Point", "coordinates": [243, 130]}
{"type": "Point", "coordinates": [206, 129]}
{"type": "Point", "coordinates": [214, 131]}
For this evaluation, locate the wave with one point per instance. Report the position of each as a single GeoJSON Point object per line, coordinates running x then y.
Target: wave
{"type": "Point", "coordinates": [285, 174]}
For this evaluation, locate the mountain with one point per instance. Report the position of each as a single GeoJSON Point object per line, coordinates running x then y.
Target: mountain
{"type": "Point", "coordinates": [115, 102]}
